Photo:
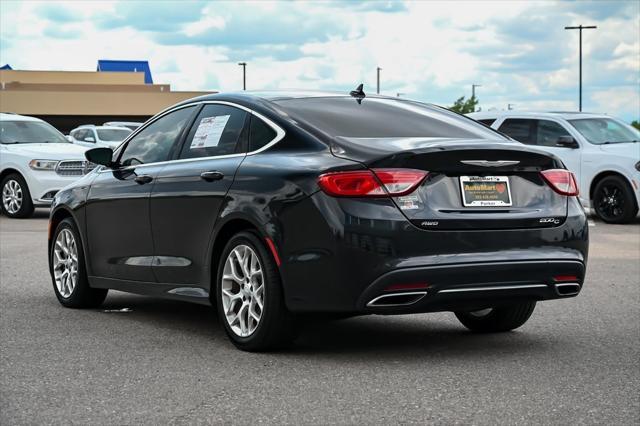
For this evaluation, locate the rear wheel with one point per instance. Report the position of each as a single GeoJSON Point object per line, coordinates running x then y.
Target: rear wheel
{"type": "Point", "coordinates": [16, 199]}
{"type": "Point", "coordinates": [502, 318]}
{"type": "Point", "coordinates": [614, 201]}
{"type": "Point", "coordinates": [249, 296]}
{"type": "Point", "coordinates": [68, 270]}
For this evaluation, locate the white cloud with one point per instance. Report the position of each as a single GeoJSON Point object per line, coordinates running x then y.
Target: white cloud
{"type": "Point", "coordinates": [431, 51]}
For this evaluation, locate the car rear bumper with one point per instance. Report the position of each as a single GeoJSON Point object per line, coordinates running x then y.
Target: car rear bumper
{"type": "Point", "coordinates": [471, 286]}
{"type": "Point", "coordinates": [340, 254]}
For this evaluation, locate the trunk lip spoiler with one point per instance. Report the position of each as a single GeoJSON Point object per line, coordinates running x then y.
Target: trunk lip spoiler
{"type": "Point", "coordinates": [489, 163]}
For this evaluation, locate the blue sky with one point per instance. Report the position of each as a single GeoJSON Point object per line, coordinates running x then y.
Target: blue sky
{"type": "Point", "coordinates": [428, 50]}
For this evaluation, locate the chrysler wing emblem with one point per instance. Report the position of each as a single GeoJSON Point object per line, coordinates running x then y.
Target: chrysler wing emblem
{"type": "Point", "coordinates": [487, 163]}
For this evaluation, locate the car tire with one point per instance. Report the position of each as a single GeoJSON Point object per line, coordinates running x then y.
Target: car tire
{"type": "Point", "coordinates": [240, 290]}
{"type": "Point", "coordinates": [614, 201]}
{"type": "Point", "coordinates": [15, 197]}
{"type": "Point", "coordinates": [67, 255]}
{"type": "Point", "coordinates": [498, 319]}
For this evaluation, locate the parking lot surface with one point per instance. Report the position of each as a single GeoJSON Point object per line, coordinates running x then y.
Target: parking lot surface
{"type": "Point", "coordinates": [575, 362]}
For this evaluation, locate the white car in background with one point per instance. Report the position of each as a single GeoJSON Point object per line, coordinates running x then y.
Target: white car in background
{"type": "Point", "coordinates": [36, 161]}
{"type": "Point", "coordinates": [603, 153]}
{"type": "Point", "coordinates": [92, 136]}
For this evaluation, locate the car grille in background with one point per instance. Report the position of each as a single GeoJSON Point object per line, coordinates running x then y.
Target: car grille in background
{"type": "Point", "coordinates": [74, 168]}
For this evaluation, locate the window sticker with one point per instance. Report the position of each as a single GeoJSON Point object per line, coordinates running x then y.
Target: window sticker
{"type": "Point", "coordinates": [209, 131]}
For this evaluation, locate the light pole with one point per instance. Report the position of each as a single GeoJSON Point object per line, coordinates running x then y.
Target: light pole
{"type": "Point", "coordinates": [473, 92]}
{"type": "Point", "coordinates": [580, 28]}
{"type": "Point", "coordinates": [378, 85]}
{"type": "Point", "coordinates": [244, 74]}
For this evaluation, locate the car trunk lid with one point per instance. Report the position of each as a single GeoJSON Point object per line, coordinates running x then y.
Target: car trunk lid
{"type": "Point", "coordinates": [471, 184]}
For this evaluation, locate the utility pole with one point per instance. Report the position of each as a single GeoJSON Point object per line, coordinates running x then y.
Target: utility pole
{"type": "Point", "coordinates": [473, 89]}
{"type": "Point", "coordinates": [244, 74]}
{"type": "Point", "coordinates": [580, 28]}
{"type": "Point", "coordinates": [473, 93]}
{"type": "Point", "coordinates": [378, 86]}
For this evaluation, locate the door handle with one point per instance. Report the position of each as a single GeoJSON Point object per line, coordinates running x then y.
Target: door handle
{"type": "Point", "coordinates": [212, 175]}
{"type": "Point", "coordinates": [142, 179]}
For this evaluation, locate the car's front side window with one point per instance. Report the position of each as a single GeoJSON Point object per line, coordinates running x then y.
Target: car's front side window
{"type": "Point", "coordinates": [549, 132]}
{"type": "Point", "coordinates": [216, 131]}
{"type": "Point", "coordinates": [154, 142]}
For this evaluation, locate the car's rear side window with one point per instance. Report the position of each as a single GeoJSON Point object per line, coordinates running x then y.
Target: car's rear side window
{"type": "Point", "coordinates": [487, 121]}
{"type": "Point", "coordinates": [155, 141]}
{"type": "Point", "coordinates": [520, 129]}
{"type": "Point", "coordinates": [216, 131]}
{"type": "Point", "coordinates": [260, 134]}
{"type": "Point", "coordinates": [383, 118]}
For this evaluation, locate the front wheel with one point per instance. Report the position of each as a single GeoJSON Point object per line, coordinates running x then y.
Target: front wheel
{"type": "Point", "coordinates": [16, 199]}
{"type": "Point", "coordinates": [68, 270]}
{"type": "Point", "coordinates": [614, 201]}
{"type": "Point", "coordinates": [249, 296]}
{"type": "Point", "coordinates": [502, 318]}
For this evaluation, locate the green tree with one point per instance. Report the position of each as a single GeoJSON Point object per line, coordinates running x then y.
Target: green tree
{"type": "Point", "coordinates": [636, 124]}
{"type": "Point", "coordinates": [464, 107]}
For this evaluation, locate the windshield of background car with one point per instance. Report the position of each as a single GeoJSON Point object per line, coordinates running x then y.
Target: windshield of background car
{"type": "Point", "coordinates": [12, 132]}
{"type": "Point", "coordinates": [113, 135]}
{"type": "Point", "coordinates": [605, 130]}
{"type": "Point", "coordinates": [384, 118]}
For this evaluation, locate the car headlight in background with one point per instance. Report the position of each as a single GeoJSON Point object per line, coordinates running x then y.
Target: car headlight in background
{"type": "Point", "coordinates": [43, 164]}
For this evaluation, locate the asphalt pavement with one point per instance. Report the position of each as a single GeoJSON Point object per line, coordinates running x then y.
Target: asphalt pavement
{"type": "Point", "coordinates": [577, 361]}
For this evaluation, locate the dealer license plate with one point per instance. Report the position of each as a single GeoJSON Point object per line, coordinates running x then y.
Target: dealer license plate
{"type": "Point", "coordinates": [485, 191]}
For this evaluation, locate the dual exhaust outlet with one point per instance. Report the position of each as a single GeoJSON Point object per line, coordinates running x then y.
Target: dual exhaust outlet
{"type": "Point", "coordinates": [409, 298]}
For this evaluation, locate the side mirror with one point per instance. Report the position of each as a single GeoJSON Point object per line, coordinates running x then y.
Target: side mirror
{"type": "Point", "coordinates": [567, 142]}
{"type": "Point", "coordinates": [69, 138]}
{"type": "Point", "coordinates": [89, 139]}
{"type": "Point", "coordinates": [101, 156]}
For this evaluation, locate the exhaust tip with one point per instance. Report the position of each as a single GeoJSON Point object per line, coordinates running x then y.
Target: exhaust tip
{"type": "Point", "coordinates": [396, 299]}
{"type": "Point", "coordinates": [567, 289]}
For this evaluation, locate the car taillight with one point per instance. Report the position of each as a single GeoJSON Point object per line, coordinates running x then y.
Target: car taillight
{"type": "Point", "coordinates": [371, 183]}
{"type": "Point", "coordinates": [562, 181]}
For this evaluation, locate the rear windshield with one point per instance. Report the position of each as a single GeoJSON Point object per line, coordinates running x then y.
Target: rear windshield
{"type": "Point", "coordinates": [384, 118]}
{"type": "Point", "coordinates": [29, 132]}
{"type": "Point", "coordinates": [113, 135]}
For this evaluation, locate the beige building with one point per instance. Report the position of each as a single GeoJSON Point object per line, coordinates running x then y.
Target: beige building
{"type": "Point", "coordinates": [68, 99]}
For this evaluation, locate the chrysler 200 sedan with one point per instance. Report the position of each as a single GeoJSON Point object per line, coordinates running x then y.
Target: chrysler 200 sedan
{"type": "Point", "coordinates": [274, 205]}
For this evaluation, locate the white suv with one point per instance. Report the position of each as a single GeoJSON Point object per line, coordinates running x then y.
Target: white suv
{"type": "Point", "coordinates": [604, 154]}
{"type": "Point", "coordinates": [94, 136]}
{"type": "Point", "coordinates": [36, 161]}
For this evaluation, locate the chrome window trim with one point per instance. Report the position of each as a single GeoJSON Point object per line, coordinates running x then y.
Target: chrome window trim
{"type": "Point", "coordinates": [280, 134]}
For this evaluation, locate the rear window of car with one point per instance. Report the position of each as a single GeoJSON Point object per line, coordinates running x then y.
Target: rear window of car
{"type": "Point", "coordinates": [113, 135]}
{"type": "Point", "coordinates": [383, 118]}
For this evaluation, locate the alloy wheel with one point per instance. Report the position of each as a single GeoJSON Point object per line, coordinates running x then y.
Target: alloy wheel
{"type": "Point", "coordinates": [12, 196]}
{"type": "Point", "coordinates": [243, 290]}
{"type": "Point", "coordinates": [65, 263]}
{"type": "Point", "coordinates": [610, 202]}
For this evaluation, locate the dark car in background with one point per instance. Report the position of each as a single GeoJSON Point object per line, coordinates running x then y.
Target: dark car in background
{"type": "Point", "coordinates": [274, 205]}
